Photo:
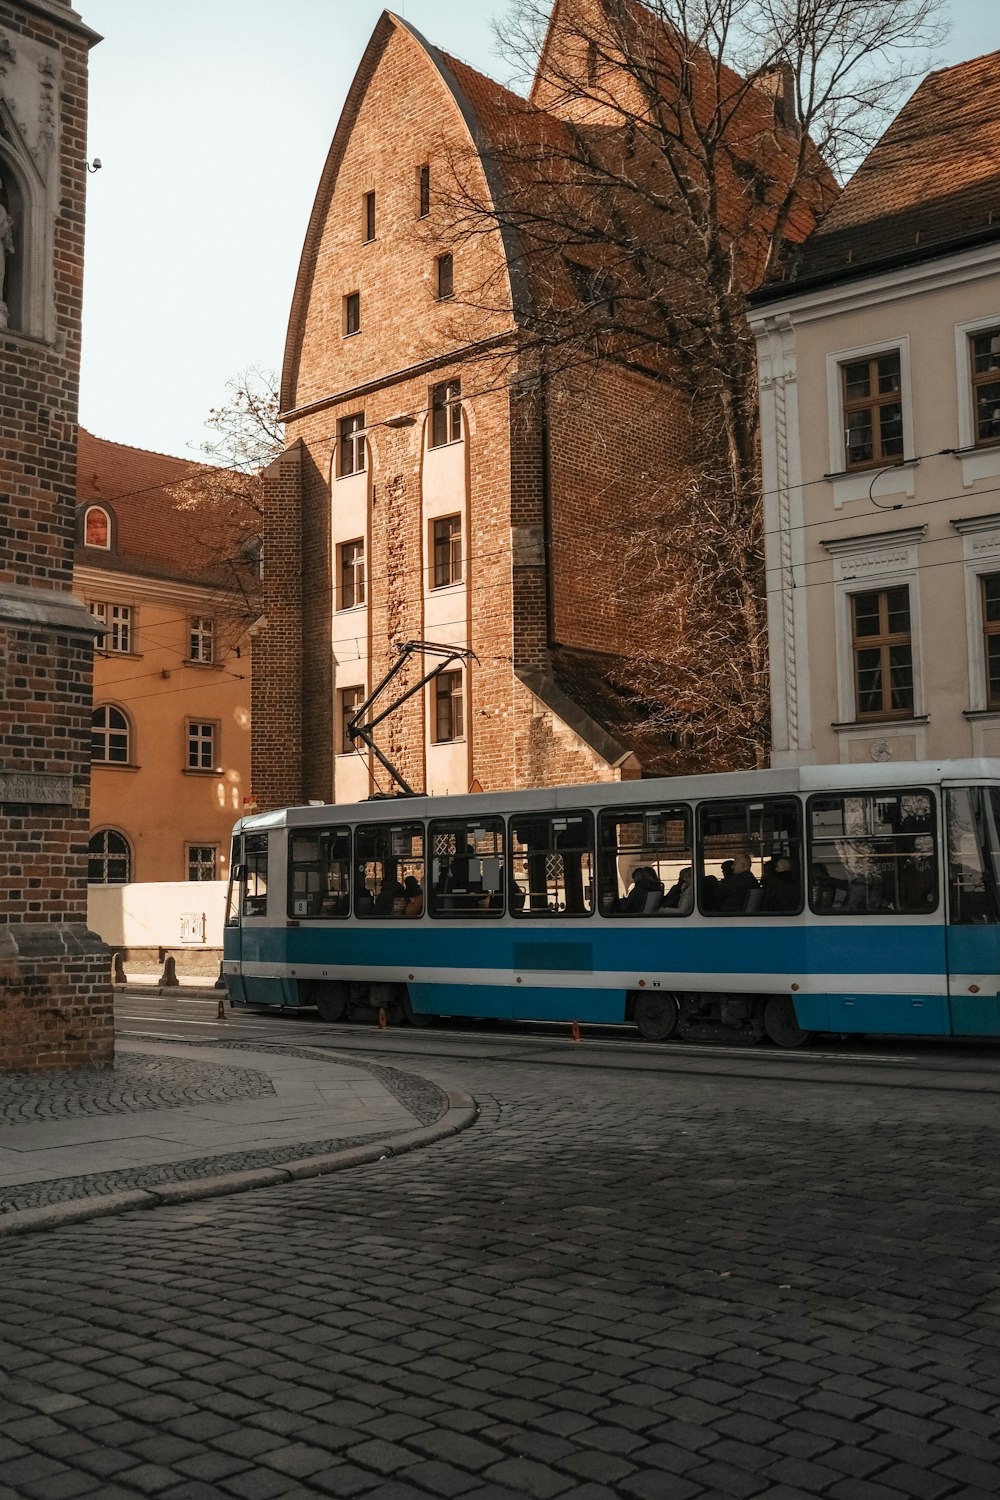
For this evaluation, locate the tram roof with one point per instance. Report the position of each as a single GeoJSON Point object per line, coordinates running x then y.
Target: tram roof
{"type": "Point", "coordinates": [798, 779]}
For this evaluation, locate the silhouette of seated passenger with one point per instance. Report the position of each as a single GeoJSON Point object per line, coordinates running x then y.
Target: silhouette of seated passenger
{"type": "Point", "coordinates": [781, 886]}
{"type": "Point", "coordinates": [736, 887]}
{"type": "Point", "coordinates": [645, 884]}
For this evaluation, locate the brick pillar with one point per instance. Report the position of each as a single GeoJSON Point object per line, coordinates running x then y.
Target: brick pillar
{"type": "Point", "coordinates": [55, 975]}
{"type": "Point", "coordinates": [276, 731]}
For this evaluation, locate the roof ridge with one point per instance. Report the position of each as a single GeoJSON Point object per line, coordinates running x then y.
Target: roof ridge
{"type": "Point", "coordinates": [147, 452]}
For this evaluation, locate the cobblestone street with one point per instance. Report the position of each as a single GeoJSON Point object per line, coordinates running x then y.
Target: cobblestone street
{"type": "Point", "coordinates": [617, 1283]}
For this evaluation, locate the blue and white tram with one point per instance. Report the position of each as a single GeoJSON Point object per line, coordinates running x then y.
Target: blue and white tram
{"type": "Point", "coordinates": [748, 905]}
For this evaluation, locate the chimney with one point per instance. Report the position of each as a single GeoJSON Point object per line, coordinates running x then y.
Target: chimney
{"type": "Point", "coordinates": [779, 84]}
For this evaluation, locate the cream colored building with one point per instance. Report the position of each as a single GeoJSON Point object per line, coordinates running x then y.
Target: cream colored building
{"type": "Point", "coordinates": [880, 402]}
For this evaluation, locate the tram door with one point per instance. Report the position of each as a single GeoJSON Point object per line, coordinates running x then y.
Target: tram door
{"type": "Point", "coordinates": [246, 896]}
{"type": "Point", "coordinates": [972, 834]}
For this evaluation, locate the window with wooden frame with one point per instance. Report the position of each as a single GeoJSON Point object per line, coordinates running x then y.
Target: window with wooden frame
{"type": "Point", "coordinates": [883, 653]}
{"type": "Point", "coordinates": [873, 410]}
{"type": "Point", "coordinates": [446, 413]}
{"type": "Point", "coordinates": [990, 586]}
{"type": "Point", "coordinates": [117, 618]}
{"type": "Point", "coordinates": [424, 190]}
{"type": "Point", "coordinates": [447, 546]}
{"type": "Point", "coordinates": [351, 699]}
{"type": "Point", "coordinates": [352, 313]}
{"type": "Point", "coordinates": [202, 745]}
{"type": "Point", "coordinates": [110, 736]}
{"type": "Point", "coordinates": [202, 639]}
{"type": "Point", "coordinates": [351, 444]}
{"type": "Point", "coordinates": [445, 276]}
{"type": "Point", "coordinates": [369, 217]}
{"type": "Point", "coordinates": [449, 708]}
{"type": "Point", "coordinates": [352, 574]}
{"type": "Point", "coordinates": [984, 351]}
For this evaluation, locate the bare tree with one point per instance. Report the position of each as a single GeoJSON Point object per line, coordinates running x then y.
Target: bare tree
{"type": "Point", "coordinates": [671, 157]}
{"type": "Point", "coordinates": [223, 500]}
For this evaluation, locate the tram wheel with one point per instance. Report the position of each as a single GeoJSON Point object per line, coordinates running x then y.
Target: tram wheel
{"type": "Point", "coordinates": [781, 1025]}
{"type": "Point", "coordinates": [655, 1016]}
{"type": "Point", "coordinates": [330, 999]}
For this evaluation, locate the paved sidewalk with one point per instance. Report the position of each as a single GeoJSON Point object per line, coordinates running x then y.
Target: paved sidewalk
{"type": "Point", "coordinates": [178, 1121]}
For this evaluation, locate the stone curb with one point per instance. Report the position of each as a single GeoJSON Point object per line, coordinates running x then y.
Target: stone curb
{"type": "Point", "coordinates": [462, 1112]}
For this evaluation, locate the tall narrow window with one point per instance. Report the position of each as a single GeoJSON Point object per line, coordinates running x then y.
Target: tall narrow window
{"type": "Point", "coordinates": [201, 745]}
{"type": "Point", "coordinates": [118, 621]}
{"type": "Point", "coordinates": [447, 551]}
{"type": "Point", "coordinates": [445, 276]}
{"type": "Point", "coordinates": [352, 313]}
{"type": "Point", "coordinates": [985, 352]}
{"type": "Point", "coordinates": [449, 718]}
{"type": "Point", "coordinates": [883, 654]}
{"type": "Point", "coordinates": [351, 699]}
{"type": "Point", "coordinates": [446, 413]}
{"type": "Point", "coordinates": [991, 637]}
{"type": "Point", "coordinates": [109, 737]}
{"type": "Point", "coordinates": [425, 191]}
{"type": "Point", "coordinates": [873, 410]}
{"type": "Point", "coordinates": [202, 638]}
{"type": "Point", "coordinates": [352, 574]}
{"type": "Point", "coordinates": [351, 444]}
{"type": "Point", "coordinates": [369, 216]}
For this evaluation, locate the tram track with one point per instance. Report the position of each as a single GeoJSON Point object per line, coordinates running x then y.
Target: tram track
{"type": "Point", "coordinates": [946, 1066]}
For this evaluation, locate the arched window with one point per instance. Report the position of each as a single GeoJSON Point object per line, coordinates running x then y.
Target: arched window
{"type": "Point", "coordinates": [110, 735]}
{"type": "Point", "coordinates": [97, 527]}
{"type": "Point", "coordinates": [110, 861]}
{"type": "Point", "coordinates": [11, 248]}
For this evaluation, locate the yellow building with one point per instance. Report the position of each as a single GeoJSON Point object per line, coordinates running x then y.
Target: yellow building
{"type": "Point", "coordinates": [166, 560]}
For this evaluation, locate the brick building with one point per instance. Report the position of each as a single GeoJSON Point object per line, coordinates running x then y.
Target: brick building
{"type": "Point", "coordinates": [55, 991]}
{"type": "Point", "coordinates": [167, 561]}
{"type": "Point", "coordinates": [442, 480]}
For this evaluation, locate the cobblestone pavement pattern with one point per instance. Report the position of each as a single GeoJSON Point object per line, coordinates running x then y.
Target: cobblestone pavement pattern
{"type": "Point", "coordinates": [616, 1284]}
{"type": "Point", "coordinates": [141, 1084]}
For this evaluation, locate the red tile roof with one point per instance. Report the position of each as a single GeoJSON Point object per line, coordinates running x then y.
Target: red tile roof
{"type": "Point", "coordinates": [932, 180]}
{"type": "Point", "coordinates": [172, 517]}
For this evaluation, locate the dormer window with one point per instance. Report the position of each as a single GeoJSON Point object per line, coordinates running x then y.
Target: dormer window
{"type": "Point", "coordinates": [97, 528]}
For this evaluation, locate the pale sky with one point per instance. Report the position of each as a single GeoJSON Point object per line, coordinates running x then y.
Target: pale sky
{"type": "Point", "coordinates": [212, 120]}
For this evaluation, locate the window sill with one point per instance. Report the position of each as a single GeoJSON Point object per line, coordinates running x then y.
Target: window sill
{"type": "Point", "coordinates": [190, 661]}
{"type": "Point", "coordinates": [351, 474]}
{"type": "Point", "coordinates": [350, 609]}
{"type": "Point", "coordinates": [115, 765]}
{"type": "Point", "coordinates": [981, 713]}
{"type": "Point", "coordinates": [201, 770]}
{"type": "Point", "coordinates": [442, 588]}
{"type": "Point", "coordinates": [353, 333]}
{"type": "Point", "coordinates": [875, 467]}
{"type": "Point", "coordinates": [451, 443]}
{"type": "Point", "coordinates": [893, 723]}
{"type": "Point", "coordinates": [459, 741]}
{"type": "Point", "coordinates": [106, 655]}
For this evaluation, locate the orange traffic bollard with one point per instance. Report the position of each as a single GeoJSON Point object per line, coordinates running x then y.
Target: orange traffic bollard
{"type": "Point", "coordinates": [383, 1019]}
{"type": "Point", "coordinates": [574, 1034]}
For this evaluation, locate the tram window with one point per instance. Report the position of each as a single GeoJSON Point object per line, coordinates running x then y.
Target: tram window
{"type": "Point", "coordinates": [319, 873]}
{"type": "Point", "coordinates": [255, 887]}
{"type": "Point", "coordinates": [467, 867]}
{"type": "Point", "coordinates": [552, 865]}
{"type": "Point", "coordinates": [872, 852]}
{"type": "Point", "coordinates": [389, 861]}
{"type": "Point", "coordinates": [750, 857]}
{"type": "Point", "coordinates": [973, 855]}
{"type": "Point", "coordinates": [645, 861]}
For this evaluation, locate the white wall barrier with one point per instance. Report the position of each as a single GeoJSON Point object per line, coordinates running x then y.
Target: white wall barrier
{"type": "Point", "coordinates": [173, 914]}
